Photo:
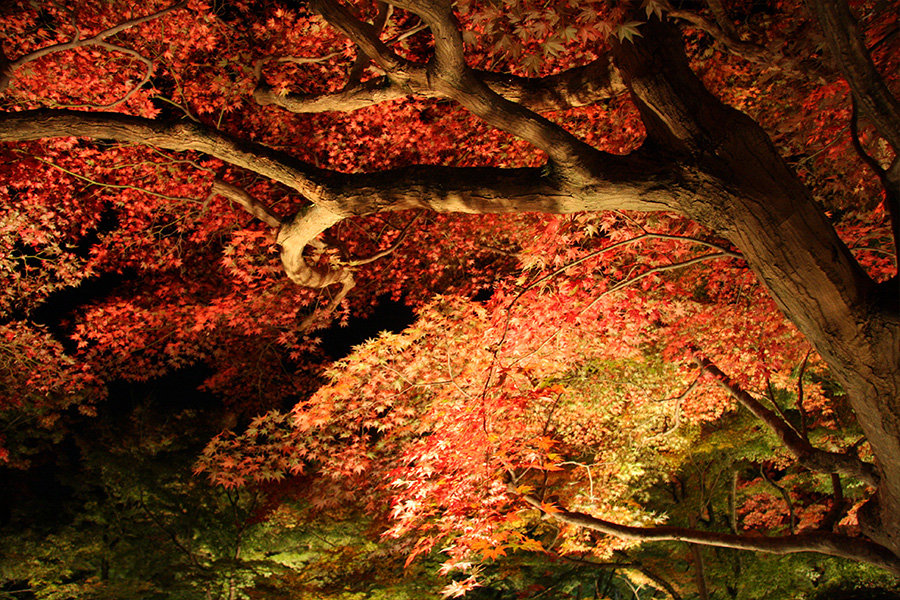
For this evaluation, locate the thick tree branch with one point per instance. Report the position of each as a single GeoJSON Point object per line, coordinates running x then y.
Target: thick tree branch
{"type": "Point", "coordinates": [849, 51]}
{"type": "Point", "coordinates": [365, 36]}
{"type": "Point", "coordinates": [808, 456]}
{"type": "Point", "coordinates": [452, 77]}
{"type": "Point", "coordinates": [179, 136]}
{"type": "Point", "coordinates": [449, 75]}
{"type": "Point", "coordinates": [723, 31]}
{"type": "Point", "coordinates": [355, 74]}
{"type": "Point", "coordinates": [294, 235]}
{"type": "Point", "coordinates": [368, 93]}
{"type": "Point", "coordinates": [252, 205]}
{"type": "Point", "coordinates": [770, 215]}
{"type": "Point", "coordinates": [581, 86]}
{"type": "Point", "coordinates": [838, 504]}
{"type": "Point", "coordinates": [633, 182]}
{"type": "Point", "coordinates": [821, 542]}
{"type": "Point", "coordinates": [6, 70]}
{"type": "Point", "coordinates": [337, 196]}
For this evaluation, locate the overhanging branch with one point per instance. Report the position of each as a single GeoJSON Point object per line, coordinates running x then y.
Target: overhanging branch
{"type": "Point", "coordinates": [808, 456]}
{"type": "Point", "coordinates": [581, 86]}
{"type": "Point", "coordinates": [820, 542]}
{"type": "Point", "coordinates": [633, 182]}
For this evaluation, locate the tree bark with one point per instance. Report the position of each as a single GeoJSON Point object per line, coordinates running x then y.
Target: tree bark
{"type": "Point", "coordinates": [764, 209]}
{"type": "Point", "coordinates": [820, 542]}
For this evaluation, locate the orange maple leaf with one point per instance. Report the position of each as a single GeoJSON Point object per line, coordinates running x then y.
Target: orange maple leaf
{"type": "Point", "coordinates": [493, 553]}
{"type": "Point", "coordinates": [550, 508]}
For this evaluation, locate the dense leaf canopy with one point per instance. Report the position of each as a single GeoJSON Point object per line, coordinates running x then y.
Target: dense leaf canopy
{"type": "Point", "coordinates": [650, 247]}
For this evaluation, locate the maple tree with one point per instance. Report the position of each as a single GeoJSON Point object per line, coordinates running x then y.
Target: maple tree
{"type": "Point", "coordinates": [555, 186]}
{"type": "Point", "coordinates": [115, 517]}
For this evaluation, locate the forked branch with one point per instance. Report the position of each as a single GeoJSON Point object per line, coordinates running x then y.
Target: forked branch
{"type": "Point", "coordinates": [848, 49]}
{"type": "Point", "coordinates": [449, 75]}
{"type": "Point", "coordinates": [77, 42]}
{"type": "Point", "coordinates": [629, 182]}
{"type": "Point", "coordinates": [808, 456]}
{"type": "Point", "coordinates": [580, 86]}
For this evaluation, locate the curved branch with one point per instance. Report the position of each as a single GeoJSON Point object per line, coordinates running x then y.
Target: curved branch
{"type": "Point", "coordinates": [580, 86]}
{"type": "Point", "coordinates": [294, 235]}
{"type": "Point", "coordinates": [148, 72]}
{"type": "Point", "coordinates": [808, 456]}
{"type": "Point", "coordinates": [848, 49]}
{"type": "Point", "coordinates": [180, 136]}
{"type": "Point", "coordinates": [252, 205]}
{"type": "Point", "coordinates": [820, 542]}
{"type": "Point", "coordinates": [633, 182]}
{"type": "Point", "coordinates": [786, 496]}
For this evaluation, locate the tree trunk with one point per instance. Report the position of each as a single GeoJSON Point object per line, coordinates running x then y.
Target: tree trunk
{"type": "Point", "coordinates": [746, 192]}
{"type": "Point", "coordinates": [699, 572]}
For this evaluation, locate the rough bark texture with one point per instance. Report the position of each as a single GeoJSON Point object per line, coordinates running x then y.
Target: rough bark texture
{"type": "Point", "coordinates": [764, 209]}
{"type": "Point", "coordinates": [580, 86]}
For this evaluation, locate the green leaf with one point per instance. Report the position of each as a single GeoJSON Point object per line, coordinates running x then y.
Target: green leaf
{"type": "Point", "coordinates": [627, 31]}
{"type": "Point", "coordinates": [653, 7]}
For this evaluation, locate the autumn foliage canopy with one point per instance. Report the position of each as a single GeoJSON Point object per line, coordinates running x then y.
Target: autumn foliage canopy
{"type": "Point", "coordinates": [625, 228]}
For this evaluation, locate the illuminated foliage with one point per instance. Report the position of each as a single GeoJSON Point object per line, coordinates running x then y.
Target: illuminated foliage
{"type": "Point", "coordinates": [626, 227]}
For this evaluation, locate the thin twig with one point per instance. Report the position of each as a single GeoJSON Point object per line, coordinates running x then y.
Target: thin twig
{"type": "Point", "coordinates": [803, 426]}
{"type": "Point", "coordinates": [787, 499]}
{"type": "Point", "coordinates": [356, 262]}
{"type": "Point", "coordinates": [116, 186]}
{"type": "Point", "coordinates": [297, 60]}
{"type": "Point", "coordinates": [77, 42]}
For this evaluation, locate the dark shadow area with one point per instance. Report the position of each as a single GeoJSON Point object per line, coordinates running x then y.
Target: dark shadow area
{"type": "Point", "coordinates": [389, 315]}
